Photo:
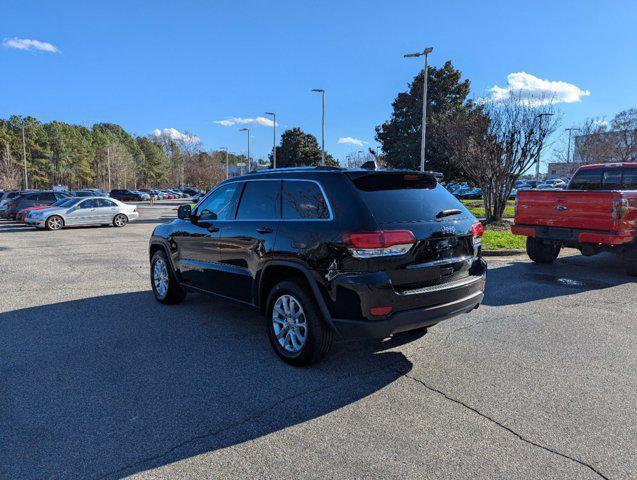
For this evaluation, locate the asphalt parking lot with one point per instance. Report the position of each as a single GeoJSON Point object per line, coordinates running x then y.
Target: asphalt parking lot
{"type": "Point", "coordinates": [97, 380]}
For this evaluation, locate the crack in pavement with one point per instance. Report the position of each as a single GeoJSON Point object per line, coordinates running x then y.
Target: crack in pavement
{"type": "Point", "coordinates": [495, 422]}
{"type": "Point", "coordinates": [239, 423]}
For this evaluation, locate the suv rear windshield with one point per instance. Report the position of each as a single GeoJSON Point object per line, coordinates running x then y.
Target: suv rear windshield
{"type": "Point", "coordinates": [405, 198]}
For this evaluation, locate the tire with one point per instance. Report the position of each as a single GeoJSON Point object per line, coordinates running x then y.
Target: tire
{"type": "Point", "coordinates": [630, 259]}
{"type": "Point", "coordinates": [171, 292]}
{"type": "Point", "coordinates": [120, 220]}
{"type": "Point", "coordinates": [541, 252]}
{"type": "Point", "coordinates": [292, 348]}
{"type": "Point", "coordinates": [54, 222]}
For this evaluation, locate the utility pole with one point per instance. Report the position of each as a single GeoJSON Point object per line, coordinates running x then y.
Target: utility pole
{"type": "Point", "coordinates": [108, 165]}
{"type": "Point", "coordinates": [274, 141]}
{"type": "Point", "coordinates": [247, 130]}
{"type": "Point", "coordinates": [423, 128]}
{"type": "Point", "coordinates": [322, 92]}
{"type": "Point", "coordinates": [568, 151]}
{"type": "Point", "coordinates": [24, 158]}
{"type": "Point", "coordinates": [537, 165]}
{"type": "Point", "coordinates": [227, 167]}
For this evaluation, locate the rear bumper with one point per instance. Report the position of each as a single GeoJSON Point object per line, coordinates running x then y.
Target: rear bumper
{"type": "Point", "coordinates": [408, 319]}
{"type": "Point", "coordinates": [574, 235]}
{"type": "Point", "coordinates": [354, 296]}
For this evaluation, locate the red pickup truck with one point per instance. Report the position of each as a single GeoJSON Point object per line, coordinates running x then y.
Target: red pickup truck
{"type": "Point", "coordinates": [596, 213]}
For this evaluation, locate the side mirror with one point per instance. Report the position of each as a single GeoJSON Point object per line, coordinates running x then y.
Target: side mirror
{"type": "Point", "coordinates": [184, 212]}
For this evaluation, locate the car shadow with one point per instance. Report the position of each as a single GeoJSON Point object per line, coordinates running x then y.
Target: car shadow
{"type": "Point", "coordinates": [569, 275]}
{"type": "Point", "coordinates": [109, 386]}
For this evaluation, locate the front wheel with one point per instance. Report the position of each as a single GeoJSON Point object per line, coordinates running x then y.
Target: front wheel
{"type": "Point", "coordinates": [120, 220]}
{"type": "Point", "coordinates": [541, 252]}
{"type": "Point", "coordinates": [297, 333]}
{"type": "Point", "coordinates": [165, 286]}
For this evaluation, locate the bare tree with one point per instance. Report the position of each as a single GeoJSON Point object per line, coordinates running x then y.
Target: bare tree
{"type": "Point", "coordinates": [495, 143]}
{"type": "Point", "coordinates": [624, 133]}
{"type": "Point", "coordinates": [9, 171]}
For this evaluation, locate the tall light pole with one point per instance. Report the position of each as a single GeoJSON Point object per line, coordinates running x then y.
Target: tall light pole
{"type": "Point", "coordinates": [247, 130]}
{"type": "Point", "coordinates": [108, 165]}
{"type": "Point", "coordinates": [274, 138]}
{"type": "Point", "coordinates": [227, 167]}
{"type": "Point", "coordinates": [423, 129]}
{"type": "Point", "coordinates": [568, 151]}
{"type": "Point", "coordinates": [24, 158]}
{"type": "Point", "coordinates": [322, 92]}
{"type": "Point", "coordinates": [537, 165]}
{"type": "Point", "coordinates": [358, 157]}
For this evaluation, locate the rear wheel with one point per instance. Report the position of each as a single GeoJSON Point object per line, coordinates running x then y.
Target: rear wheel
{"type": "Point", "coordinates": [120, 220]}
{"type": "Point", "coordinates": [630, 259]}
{"type": "Point", "coordinates": [297, 333]}
{"type": "Point", "coordinates": [541, 252]}
{"type": "Point", "coordinates": [165, 286]}
{"type": "Point", "coordinates": [54, 223]}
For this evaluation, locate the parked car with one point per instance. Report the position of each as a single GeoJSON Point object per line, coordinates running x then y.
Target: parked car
{"type": "Point", "coordinates": [325, 252]}
{"type": "Point", "coordinates": [22, 214]}
{"type": "Point", "coordinates": [189, 191]}
{"type": "Point", "coordinates": [84, 211]}
{"type": "Point", "coordinates": [470, 194]}
{"type": "Point", "coordinates": [8, 195]}
{"type": "Point", "coordinates": [596, 213]}
{"type": "Point", "coordinates": [32, 199]}
{"type": "Point", "coordinates": [126, 195]}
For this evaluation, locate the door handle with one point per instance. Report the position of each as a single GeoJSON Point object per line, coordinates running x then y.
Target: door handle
{"type": "Point", "coordinates": [561, 207]}
{"type": "Point", "coordinates": [213, 229]}
{"type": "Point", "coordinates": [264, 230]}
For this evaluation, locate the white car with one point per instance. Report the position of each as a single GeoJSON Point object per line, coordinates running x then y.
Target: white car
{"type": "Point", "coordinates": [84, 211]}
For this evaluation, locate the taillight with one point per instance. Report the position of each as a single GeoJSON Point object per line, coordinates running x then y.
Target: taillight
{"type": "Point", "coordinates": [477, 229]}
{"type": "Point", "coordinates": [619, 208]}
{"type": "Point", "coordinates": [379, 244]}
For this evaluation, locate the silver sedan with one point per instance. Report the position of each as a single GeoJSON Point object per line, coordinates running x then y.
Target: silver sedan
{"type": "Point", "coordinates": [83, 211]}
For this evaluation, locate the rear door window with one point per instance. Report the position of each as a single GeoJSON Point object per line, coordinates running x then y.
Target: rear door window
{"type": "Point", "coordinates": [303, 200]}
{"type": "Point", "coordinates": [260, 201]}
{"type": "Point", "coordinates": [589, 179]}
{"type": "Point", "coordinates": [404, 198]}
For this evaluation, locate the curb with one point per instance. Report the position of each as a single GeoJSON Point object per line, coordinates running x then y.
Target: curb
{"type": "Point", "coordinates": [502, 253]}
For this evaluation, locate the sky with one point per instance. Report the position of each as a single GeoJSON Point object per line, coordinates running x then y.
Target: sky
{"type": "Point", "coordinates": [209, 68]}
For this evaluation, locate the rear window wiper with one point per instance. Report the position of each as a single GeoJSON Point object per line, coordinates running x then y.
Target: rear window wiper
{"type": "Point", "coordinates": [448, 213]}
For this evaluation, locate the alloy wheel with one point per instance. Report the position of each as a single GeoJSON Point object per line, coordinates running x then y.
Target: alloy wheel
{"type": "Point", "coordinates": [289, 323]}
{"type": "Point", "coordinates": [160, 277]}
{"type": "Point", "coordinates": [55, 223]}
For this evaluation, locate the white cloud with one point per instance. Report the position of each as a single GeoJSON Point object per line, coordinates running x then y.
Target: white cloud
{"type": "Point", "coordinates": [353, 141]}
{"type": "Point", "coordinates": [228, 122]}
{"type": "Point", "coordinates": [174, 134]}
{"type": "Point", "coordinates": [525, 87]}
{"type": "Point", "coordinates": [600, 122]}
{"type": "Point", "coordinates": [29, 45]}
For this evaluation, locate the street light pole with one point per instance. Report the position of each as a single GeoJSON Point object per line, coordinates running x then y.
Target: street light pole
{"type": "Point", "coordinates": [423, 129]}
{"type": "Point", "coordinates": [227, 167]}
{"type": "Point", "coordinates": [24, 158]}
{"type": "Point", "coordinates": [274, 140]}
{"type": "Point", "coordinates": [108, 166]}
{"type": "Point", "coordinates": [568, 151]}
{"type": "Point", "coordinates": [322, 92]}
{"type": "Point", "coordinates": [537, 165]}
{"type": "Point", "coordinates": [247, 130]}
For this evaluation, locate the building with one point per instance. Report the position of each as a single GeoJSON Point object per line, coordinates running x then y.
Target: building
{"type": "Point", "coordinates": [563, 169]}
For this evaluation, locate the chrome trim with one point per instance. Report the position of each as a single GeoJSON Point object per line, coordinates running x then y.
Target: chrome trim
{"type": "Point", "coordinates": [443, 286]}
{"type": "Point", "coordinates": [443, 261]}
{"type": "Point", "coordinates": [243, 180]}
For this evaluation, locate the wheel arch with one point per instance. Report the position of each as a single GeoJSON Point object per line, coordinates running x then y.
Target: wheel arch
{"type": "Point", "coordinates": [277, 270]}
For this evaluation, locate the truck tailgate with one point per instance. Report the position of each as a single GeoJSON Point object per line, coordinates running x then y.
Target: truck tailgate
{"type": "Point", "coordinates": [588, 210]}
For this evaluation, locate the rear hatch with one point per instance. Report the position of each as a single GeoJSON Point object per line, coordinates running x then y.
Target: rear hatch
{"type": "Point", "coordinates": [443, 248]}
{"type": "Point", "coordinates": [586, 210]}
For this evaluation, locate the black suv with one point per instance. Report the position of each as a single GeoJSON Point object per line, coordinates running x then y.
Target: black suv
{"type": "Point", "coordinates": [324, 252]}
{"type": "Point", "coordinates": [125, 195]}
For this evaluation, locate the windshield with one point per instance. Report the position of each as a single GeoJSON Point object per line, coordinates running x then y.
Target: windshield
{"type": "Point", "coordinates": [67, 202]}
